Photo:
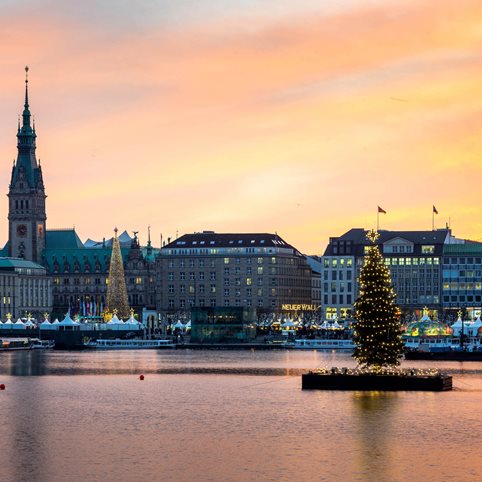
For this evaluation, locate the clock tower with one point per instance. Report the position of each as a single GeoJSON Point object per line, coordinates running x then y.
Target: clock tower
{"type": "Point", "coordinates": [26, 195]}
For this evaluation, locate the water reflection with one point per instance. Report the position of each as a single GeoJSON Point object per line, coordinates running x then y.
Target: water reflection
{"type": "Point", "coordinates": [374, 413]}
{"type": "Point", "coordinates": [24, 363]}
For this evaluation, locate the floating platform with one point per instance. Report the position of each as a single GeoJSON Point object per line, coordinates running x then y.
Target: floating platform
{"type": "Point", "coordinates": [340, 381]}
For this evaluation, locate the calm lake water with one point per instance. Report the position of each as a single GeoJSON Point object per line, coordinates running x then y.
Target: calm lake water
{"type": "Point", "coordinates": [227, 415]}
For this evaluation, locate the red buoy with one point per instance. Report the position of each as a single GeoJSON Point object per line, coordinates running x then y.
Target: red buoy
{"type": "Point", "coordinates": [2, 386]}
{"type": "Point", "coordinates": [141, 377]}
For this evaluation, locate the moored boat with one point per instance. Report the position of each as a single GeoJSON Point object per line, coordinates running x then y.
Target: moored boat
{"type": "Point", "coordinates": [132, 344]}
{"type": "Point", "coordinates": [322, 344]}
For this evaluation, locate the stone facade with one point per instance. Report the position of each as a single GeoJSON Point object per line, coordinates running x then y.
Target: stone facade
{"type": "Point", "coordinates": [208, 269]}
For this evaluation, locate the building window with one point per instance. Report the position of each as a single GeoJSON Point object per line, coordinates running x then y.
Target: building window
{"type": "Point", "coordinates": [213, 288]}
{"type": "Point", "coordinates": [170, 289]}
{"type": "Point", "coordinates": [248, 281]}
{"type": "Point", "coordinates": [191, 263]}
{"type": "Point", "coordinates": [201, 288]}
{"type": "Point", "coordinates": [226, 292]}
{"type": "Point", "coordinates": [182, 288]}
{"type": "Point", "coordinates": [260, 270]}
{"type": "Point", "coordinates": [226, 281]}
{"type": "Point", "coordinates": [212, 275]}
{"type": "Point", "coordinates": [226, 260]}
{"type": "Point", "coordinates": [226, 271]}
{"type": "Point", "coordinates": [428, 249]}
{"type": "Point", "coordinates": [138, 280]}
{"type": "Point", "coordinates": [191, 276]}
{"type": "Point", "coordinates": [201, 275]}
{"type": "Point", "coordinates": [171, 304]}
{"type": "Point", "coordinates": [182, 275]}
{"type": "Point", "coordinates": [201, 263]}
{"type": "Point", "coordinates": [182, 263]}
{"type": "Point", "coordinates": [213, 302]}
{"type": "Point", "coordinates": [182, 303]}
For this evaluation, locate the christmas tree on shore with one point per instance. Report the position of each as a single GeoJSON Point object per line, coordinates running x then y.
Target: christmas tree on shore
{"type": "Point", "coordinates": [377, 333]}
{"type": "Point", "coordinates": [116, 288]}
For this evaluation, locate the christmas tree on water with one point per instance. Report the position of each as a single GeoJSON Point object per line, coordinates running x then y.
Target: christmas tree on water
{"type": "Point", "coordinates": [377, 333]}
{"type": "Point", "coordinates": [116, 289]}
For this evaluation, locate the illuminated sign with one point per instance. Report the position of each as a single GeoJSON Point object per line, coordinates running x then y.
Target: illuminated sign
{"type": "Point", "coordinates": [300, 307]}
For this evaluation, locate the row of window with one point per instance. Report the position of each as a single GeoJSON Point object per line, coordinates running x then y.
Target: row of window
{"type": "Point", "coordinates": [201, 263]}
{"type": "Point", "coordinates": [453, 285]}
{"type": "Point", "coordinates": [212, 289]}
{"type": "Point", "coordinates": [337, 275]}
{"type": "Point", "coordinates": [213, 303]}
{"type": "Point", "coordinates": [411, 261]}
{"type": "Point", "coordinates": [335, 262]}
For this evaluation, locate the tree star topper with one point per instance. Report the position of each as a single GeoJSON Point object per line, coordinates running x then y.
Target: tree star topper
{"type": "Point", "coordinates": [372, 236]}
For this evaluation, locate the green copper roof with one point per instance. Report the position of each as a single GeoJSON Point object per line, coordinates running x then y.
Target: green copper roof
{"type": "Point", "coordinates": [465, 249]}
{"type": "Point", "coordinates": [18, 263]}
{"type": "Point", "coordinates": [80, 258]}
{"type": "Point", "coordinates": [63, 239]}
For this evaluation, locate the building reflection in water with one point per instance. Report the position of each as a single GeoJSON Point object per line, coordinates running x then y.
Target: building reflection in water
{"type": "Point", "coordinates": [374, 413]}
{"type": "Point", "coordinates": [28, 399]}
{"type": "Point", "coordinates": [24, 363]}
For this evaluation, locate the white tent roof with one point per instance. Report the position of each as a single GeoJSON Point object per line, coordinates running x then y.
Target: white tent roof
{"type": "Point", "coordinates": [288, 323]}
{"type": "Point", "coordinates": [336, 325]}
{"type": "Point", "coordinates": [29, 323]}
{"type": "Point", "coordinates": [179, 324]}
{"type": "Point", "coordinates": [115, 321]}
{"type": "Point", "coordinates": [8, 322]}
{"type": "Point", "coordinates": [68, 321]}
{"type": "Point", "coordinates": [19, 322]}
{"type": "Point", "coordinates": [56, 322]}
{"type": "Point", "coordinates": [132, 320]}
{"type": "Point", "coordinates": [458, 323]}
{"type": "Point", "coordinates": [46, 322]}
{"type": "Point", "coordinates": [188, 324]}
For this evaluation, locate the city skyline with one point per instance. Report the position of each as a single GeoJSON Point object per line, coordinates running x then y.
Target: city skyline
{"type": "Point", "coordinates": [242, 117]}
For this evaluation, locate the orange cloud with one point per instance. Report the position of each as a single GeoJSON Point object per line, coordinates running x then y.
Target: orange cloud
{"type": "Point", "coordinates": [301, 126]}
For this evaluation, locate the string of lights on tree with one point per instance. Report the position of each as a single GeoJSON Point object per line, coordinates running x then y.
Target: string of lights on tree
{"type": "Point", "coordinates": [377, 333]}
{"type": "Point", "coordinates": [117, 301]}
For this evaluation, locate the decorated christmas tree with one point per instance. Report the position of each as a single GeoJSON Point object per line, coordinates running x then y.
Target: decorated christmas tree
{"type": "Point", "coordinates": [116, 288]}
{"type": "Point", "coordinates": [377, 333]}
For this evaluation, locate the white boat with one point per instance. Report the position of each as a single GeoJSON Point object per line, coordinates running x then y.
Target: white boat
{"type": "Point", "coordinates": [134, 344]}
{"type": "Point", "coordinates": [42, 344]}
{"type": "Point", "coordinates": [322, 344]}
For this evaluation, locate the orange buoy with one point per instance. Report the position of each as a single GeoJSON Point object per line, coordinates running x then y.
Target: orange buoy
{"type": "Point", "coordinates": [2, 386]}
{"type": "Point", "coordinates": [141, 377]}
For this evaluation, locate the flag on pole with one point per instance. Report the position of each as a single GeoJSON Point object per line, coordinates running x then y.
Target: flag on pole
{"type": "Point", "coordinates": [380, 210]}
{"type": "Point", "coordinates": [435, 210]}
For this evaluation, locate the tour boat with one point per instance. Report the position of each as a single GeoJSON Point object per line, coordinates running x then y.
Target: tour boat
{"type": "Point", "coordinates": [25, 343]}
{"type": "Point", "coordinates": [134, 344]}
{"type": "Point", "coordinates": [322, 344]}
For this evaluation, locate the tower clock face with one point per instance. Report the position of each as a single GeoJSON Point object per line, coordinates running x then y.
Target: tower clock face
{"type": "Point", "coordinates": [21, 230]}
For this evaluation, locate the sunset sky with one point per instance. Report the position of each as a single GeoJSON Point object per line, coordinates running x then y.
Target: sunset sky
{"type": "Point", "coordinates": [298, 117]}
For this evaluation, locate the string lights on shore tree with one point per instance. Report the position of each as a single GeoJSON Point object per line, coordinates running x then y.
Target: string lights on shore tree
{"type": "Point", "coordinates": [377, 334]}
{"type": "Point", "coordinates": [116, 288]}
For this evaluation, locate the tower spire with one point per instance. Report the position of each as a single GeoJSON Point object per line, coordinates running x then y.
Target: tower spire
{"type": "Point", "coordinates": [26, 110]}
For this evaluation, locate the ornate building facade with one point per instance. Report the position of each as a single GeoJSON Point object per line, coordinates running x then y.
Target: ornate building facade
{"type": "Point", "coordinates": [77, 272]}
